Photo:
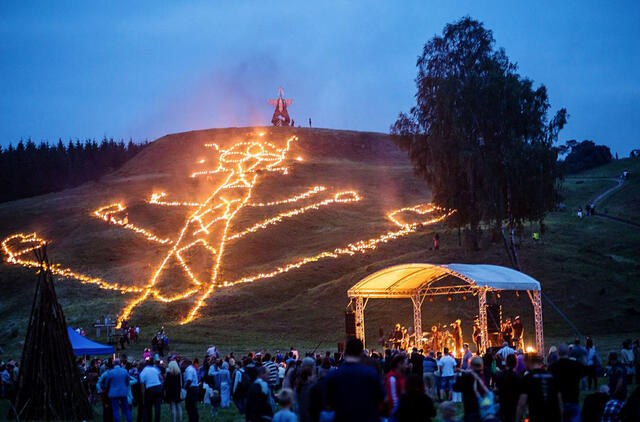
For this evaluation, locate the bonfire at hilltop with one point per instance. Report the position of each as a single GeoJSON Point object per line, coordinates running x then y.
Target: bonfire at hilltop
{"type": "Point", "coordinates": [198, 248]}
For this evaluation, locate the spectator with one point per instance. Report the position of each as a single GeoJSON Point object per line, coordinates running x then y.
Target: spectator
{"type": "Point", "coordinates": [192, 386]}
{"type": "Point", "coordinates": [259, 407]}
{"type": "Point", "coordinates": [631, 410]}
{"type": "Point", "coordinates": [416, 362]}
{"type": "Point", "coordinates": [508, 389]}
{"type": "Point", "coordinates": [465, 384]}
{"type": "Point", "coordinates": [448, 411]}
{"type": "Point", "coordinates": [486, 400]}
{"type": "Point", "coordinates": [552, 357]}
{"type": "Point", "coordinates": [414, 404]}
{"type": "Point", "coordinates": [540, 393]}
{"type": "Point", "coordinates": [592, 364]}
{"type": "Point", "coordinates": [613, 407]}
{"type": "Point", "coordinates": [568, 373]}
{"type": "Point", "coordinates": [151, 391]}
{"type": "Point", "coordinates": [240, 389]}
{"type": "Point", "coordinates": [224, 379]}
{"type": "Point", "coordinates": [304, 382]}
{"type": "Point", "coordinates": [172, 390]}
{"type": "Point", "coordinates": [285, 398]}
{"type": "Point", "coordinates": [394, 382]}
{"type": "Point", "coordinates": [593, 405]}
{"type": "Point", "coordinates": [354, 390]}
{"type": "Point", "coordinates": [429, 367]}
{"type": "Point", "coordinates": [117, 384]}
{"type": "Point", "coordinates": [617, 376]}
{"type": "Point", "coordinates": [107, 411]}
{"type": "Point", "coordinates": [505, 351]}
{"type": "Point", "coordinates": [627, 359]}
{"type": "Point", "coordinates": [446, 365]}
{"type": "Point", "coordinates": [466, 356]}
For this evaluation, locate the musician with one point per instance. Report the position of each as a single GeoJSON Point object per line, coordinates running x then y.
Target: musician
{"type": "Point", "coordinates": [507, 331]}
{"type": "Point", "coordinates": [518, 333]}
{"type": "Point", "coordinates": [477, 335]}
{"type": "Point", "coordinates": [457, 335]}
{"type": "Point", "coordinates": [435, 338]}
{"type": "Point", "coordinates": [397, 337]}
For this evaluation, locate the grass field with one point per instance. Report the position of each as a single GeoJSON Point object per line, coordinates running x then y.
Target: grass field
{"type": "Point", "coordinates": [589, 268]}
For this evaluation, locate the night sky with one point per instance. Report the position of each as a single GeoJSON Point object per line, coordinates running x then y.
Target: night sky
{"type": "Point", "coordinates": [143, 69]}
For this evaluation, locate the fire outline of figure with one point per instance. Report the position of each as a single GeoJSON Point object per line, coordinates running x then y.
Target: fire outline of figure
{"type": "Point", "coordinates": [231, 161]}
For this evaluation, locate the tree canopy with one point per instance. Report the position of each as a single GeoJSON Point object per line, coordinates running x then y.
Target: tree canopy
{"type": "Point", "coordinates": [479, 133]}
{"type": "Point", "coordinates": [584, 155]}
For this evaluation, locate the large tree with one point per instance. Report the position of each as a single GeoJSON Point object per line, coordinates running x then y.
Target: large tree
{"type": "Point", "coordinates": [480, 135]}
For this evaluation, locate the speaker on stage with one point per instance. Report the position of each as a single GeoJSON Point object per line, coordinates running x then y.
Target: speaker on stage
{"type": "Point", "coordinates": [494, 318]}
{"type": "Point", "coordinates": [350, 324]}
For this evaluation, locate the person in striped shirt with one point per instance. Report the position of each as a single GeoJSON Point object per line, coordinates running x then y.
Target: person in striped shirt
{"type": "Point", "coordinates": [272, 369]}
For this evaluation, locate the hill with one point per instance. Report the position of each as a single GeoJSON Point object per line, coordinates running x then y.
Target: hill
{"type": "Point", "coordinates": [342, 185]}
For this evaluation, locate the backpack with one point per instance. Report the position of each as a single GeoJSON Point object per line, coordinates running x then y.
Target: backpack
{"type": "Point", "coordinates": [242, 389]}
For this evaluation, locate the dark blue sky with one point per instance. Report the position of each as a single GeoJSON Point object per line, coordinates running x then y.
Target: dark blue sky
{"type": "Point", "coordinates": [143, 69]}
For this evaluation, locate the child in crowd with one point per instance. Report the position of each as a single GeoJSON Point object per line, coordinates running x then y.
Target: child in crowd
{"type": "Point", "coordinates": [285, 398]}
{"type": "Point", "coordinates": [448, 411]}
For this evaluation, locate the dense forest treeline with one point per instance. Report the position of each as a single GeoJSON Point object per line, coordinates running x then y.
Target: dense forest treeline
{"type": "Point", "coordinates": [29, 169]}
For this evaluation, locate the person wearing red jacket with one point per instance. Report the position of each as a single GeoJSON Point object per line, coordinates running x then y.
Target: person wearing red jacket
{"type": "Point", "coordinates": [394, 382]}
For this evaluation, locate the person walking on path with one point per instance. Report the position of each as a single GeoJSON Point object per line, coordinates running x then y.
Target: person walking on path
{"type": "Point", "coordinates": [117, 384]}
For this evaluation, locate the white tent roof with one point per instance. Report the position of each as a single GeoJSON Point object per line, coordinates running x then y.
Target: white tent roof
{"type": "Point", "coordinates": [407, 279]}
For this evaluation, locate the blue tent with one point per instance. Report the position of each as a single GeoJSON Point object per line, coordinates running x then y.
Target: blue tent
{"type": "Point", "coordinates": [83, 346]}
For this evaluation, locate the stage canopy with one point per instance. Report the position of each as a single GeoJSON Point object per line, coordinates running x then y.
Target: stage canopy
{"type": "Point", "coordinates": [83, 346]}
{"type": "Point", "coordinates": [408, 279]}
{"type": "Point", "coordinates": [418, 281]}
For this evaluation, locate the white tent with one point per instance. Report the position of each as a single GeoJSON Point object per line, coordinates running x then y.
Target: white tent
{"type": "Point", "coordinates": [418, 281]}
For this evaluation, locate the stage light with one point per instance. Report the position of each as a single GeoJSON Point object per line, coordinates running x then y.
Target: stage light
{"type": "Point", "coordinates": [430, 298]}
{"type": "Point", "coordinates": [464, 297]}
{"type": "Point", "coordinates": [449, 298]}
{"type": "Point", "coordinates": [498, 295]}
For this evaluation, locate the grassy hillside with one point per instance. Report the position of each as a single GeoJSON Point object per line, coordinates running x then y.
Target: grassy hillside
{"type": "Point", "coordinates": [588, 267]}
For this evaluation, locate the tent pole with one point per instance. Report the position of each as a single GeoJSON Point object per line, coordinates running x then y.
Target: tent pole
{"type": "Point", "coordinates": [360, 318]}
{"type": "Point", "coordinates": [417, 318]}
{"type": "Point", "coordinates": [482, 316]}
{"type": "Point", "coordinates": [537, 313]}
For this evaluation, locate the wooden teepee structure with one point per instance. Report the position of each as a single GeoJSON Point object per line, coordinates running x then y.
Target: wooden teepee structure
{"type": "Point", "coordinates": [49, 382]}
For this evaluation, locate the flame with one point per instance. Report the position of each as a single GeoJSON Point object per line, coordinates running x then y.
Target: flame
{"type": "Point", "coordinates": [208, 226]}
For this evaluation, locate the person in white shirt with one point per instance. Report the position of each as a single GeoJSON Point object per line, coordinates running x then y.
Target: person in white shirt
{"type": "Point", "coordinates": [191, 384]}
{"type": "Point", "coordinates": [505, 351]}
{"type": "Point", "coordinates": [151, 385]}
{"type": "Point", "coordinates": [446, 365]}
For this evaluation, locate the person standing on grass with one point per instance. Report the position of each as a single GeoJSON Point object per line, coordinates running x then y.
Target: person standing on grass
{"type": "Point", "coordinates": [592, 364]}
{"type": "Point", "coordinates": [285, 398]}
{"type": "Point", "coordinates": [117, 384]}
{"type": "Point", "coordinates": [151, 391]}
{"type": "Point", "coordinates": [259, 404]}
{"type": "Point", "coordinates": [540, 393]}
{"type": "Point", "coordinates": [354, 390]}
{"type": "Point", "coordinates": [568, 373]}
{"type": "Point", "coordinates": [446, 365]}
{"type": "Point", "coordinates": [394, 382]}
{"type": "Point", "coordinates": [172, 389]}
{"type": "Point", "coordinates": [627, 359]}
{"type": "Point", "coordinates": [508, 389]}
{"type": "Point", "coordinates": [192, 386]}
{"type": "Point", "coordinates": [415, 405]}
{"type": "Point", "coordinates": [465, 385]}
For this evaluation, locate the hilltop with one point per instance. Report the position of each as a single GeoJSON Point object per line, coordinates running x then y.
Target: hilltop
{"type": "Point", "coordinates": [588, 267]}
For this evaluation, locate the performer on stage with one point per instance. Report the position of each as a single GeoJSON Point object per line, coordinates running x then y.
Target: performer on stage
{"type": "Point", "coordinates": [397, 337]}
{"type": "Point", "coordinates": [457, 336]}
{"type": "Point", "coordinates": [435, 339]}
{"type": "Point", "coordinates": [507, 331]}
{"type": "Point", "coordinates": [518, 333]}
{"type": "Point", "coordinates": [477, 335]}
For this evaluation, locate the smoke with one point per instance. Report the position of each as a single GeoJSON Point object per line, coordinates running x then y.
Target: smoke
{"type": "Point", "coordinates": [231, 94]}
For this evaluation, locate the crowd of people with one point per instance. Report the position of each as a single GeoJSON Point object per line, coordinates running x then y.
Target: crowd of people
{"type": "Point", "coordinates": [504, 384]}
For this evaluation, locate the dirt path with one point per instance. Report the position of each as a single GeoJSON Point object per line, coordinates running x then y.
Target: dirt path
{"type": "Point", "coordinates": [606, 193]}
